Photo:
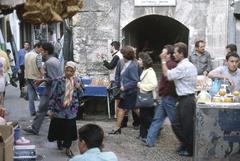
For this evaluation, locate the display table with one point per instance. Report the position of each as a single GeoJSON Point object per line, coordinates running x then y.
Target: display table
{"type": "Point", "coordinates": [217, 132]}
{"type": "Point", "coordinates": [89, 91]}
{"type": "Point", "coordinates": [98, 91]}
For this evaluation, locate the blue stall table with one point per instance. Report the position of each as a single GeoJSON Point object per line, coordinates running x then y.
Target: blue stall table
{"type": "Point", "coordinates": [217, 132]}
{"type": "Point", "coordinates": [98, 91]}
{"type": "Point", "coordinates": [89, 91]}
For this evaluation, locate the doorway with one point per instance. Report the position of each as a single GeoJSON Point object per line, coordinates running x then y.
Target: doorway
{"type": "Point", "coordinates": [152, 32]}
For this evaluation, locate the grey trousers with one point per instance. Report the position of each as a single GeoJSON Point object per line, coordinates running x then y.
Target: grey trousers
{"type": "Point", "coordinates": [41, 113]}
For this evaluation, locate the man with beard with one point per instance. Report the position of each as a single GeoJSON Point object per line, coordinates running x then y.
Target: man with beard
{"type": "Point", "coordinates": [201, 58]}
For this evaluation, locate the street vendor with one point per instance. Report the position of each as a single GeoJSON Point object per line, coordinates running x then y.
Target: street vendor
{"type": "Point", "coordinates": [228, 72]}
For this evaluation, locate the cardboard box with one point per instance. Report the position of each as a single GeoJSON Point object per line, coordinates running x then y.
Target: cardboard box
{"type": "Point", "coordinates": [6, 148]}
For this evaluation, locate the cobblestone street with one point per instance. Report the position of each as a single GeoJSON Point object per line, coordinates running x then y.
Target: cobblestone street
{"type": "Point", "coordinates": [126, 146]}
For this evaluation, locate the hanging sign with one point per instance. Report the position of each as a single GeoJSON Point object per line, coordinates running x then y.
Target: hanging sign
{"type": "Point", "coordinates": [155, 2]}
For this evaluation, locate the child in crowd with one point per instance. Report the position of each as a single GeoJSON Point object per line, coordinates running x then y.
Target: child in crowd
{"type": "Point", "coordinates": [91, 145]}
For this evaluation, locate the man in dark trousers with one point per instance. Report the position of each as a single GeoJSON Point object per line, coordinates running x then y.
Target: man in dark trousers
{"type": "Point", "coordinates": [116, 57]}
{"type": "Point", "coordinates": [52, 70]}
{"type": "Point", "coordinates": [184, 76]}
{"type": "Point", "coordinates": [20, 64]}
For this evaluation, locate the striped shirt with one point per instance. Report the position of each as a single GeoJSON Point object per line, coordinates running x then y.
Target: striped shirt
{"type": "Point", "coordinates": [184, 77]}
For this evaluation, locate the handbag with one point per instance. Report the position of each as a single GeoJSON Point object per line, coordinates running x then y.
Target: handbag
{"type": "Point", "coordinates": [145, 100]}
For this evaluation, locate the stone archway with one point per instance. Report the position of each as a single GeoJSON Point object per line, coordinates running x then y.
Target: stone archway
{"type": "Point", "coordinates": [156, 30]}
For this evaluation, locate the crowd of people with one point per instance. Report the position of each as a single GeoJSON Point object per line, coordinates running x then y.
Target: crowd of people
{"type": "Point", "coordinates": [59, 100]}
{"type": "Point", "coordinates": [131, 74]}
{"type": "Point", "coordinates": [176, 89]}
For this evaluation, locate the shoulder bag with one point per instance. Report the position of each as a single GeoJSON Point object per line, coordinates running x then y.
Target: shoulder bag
{"type": "Point", "coordinates": [144, 99]}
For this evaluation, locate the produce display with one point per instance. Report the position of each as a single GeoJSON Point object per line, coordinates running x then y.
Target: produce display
{"type": "Point", "coordinates": [100, 82]}
{"type": "Point", "coordinates": [224, 94]}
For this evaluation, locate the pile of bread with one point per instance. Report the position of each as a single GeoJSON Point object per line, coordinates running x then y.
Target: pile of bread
{"type": "Point", "coordinates": [48, 11]}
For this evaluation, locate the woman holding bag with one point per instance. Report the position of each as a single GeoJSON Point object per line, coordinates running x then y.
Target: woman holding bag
{"type": "Point", "coordinates": [127, 77]}
{"type": "Point", "coordinates": [147, 85]}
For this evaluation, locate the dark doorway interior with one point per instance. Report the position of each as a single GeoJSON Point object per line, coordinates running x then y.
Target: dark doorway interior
{"type": "Point", "coordinates": [152, 32]}
{"type": "Point", "coordinates": [156, 31]}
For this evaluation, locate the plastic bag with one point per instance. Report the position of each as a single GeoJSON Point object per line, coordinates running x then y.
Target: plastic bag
{"type": "Point", "coordinates": [215, 87]}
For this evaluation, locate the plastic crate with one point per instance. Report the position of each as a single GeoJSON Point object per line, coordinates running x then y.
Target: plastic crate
{"type": "Point", "coordinates": [95, 91]}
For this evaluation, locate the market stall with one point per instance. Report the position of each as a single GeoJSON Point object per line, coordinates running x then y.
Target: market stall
{"type": "Point", "coordinates": [217, 132]}
{"type": "Point", "coordinates": [92, 88]}
{"type": "Point", "coordinates": [217, 122]}
{"type": "Point", "coordinates": [97, 88]}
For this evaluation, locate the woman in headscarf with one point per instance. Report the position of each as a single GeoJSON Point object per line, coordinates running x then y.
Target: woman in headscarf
{"type": "Point", "coordinates": [63, 106]}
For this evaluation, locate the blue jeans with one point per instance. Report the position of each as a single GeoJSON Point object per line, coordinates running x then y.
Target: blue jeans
{"type": "Point", "coordinates": [32, 95]}
{"type": "Point", "coordinates": [165, 108]}
{"type": "Point", "coordinates": [14, 71]}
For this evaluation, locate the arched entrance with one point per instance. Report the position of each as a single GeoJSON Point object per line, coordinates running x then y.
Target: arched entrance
{"type": "Point", "coordinates": [152, 32]}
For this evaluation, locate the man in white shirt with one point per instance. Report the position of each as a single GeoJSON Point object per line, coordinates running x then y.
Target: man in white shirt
{"type": "Point", "coordinates": [184, 76]}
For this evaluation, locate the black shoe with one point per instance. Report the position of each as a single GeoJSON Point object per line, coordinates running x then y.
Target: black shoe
{"type": "Point", "coordinates": [69, 153]}
{"type": "Point", "coordinates": [144, 142]}
{"type": "Point", "coordinates": [115, 132]}
{"type": "Point", "coordinates": [181, 148]}
{"type": "Point", "coordinates": [136, 127]}
{"type": "Point", "coordinates": [33, 114]}
{"type": "Point", "coordinates": [30, 131]}
{"type": "Point", "coordinates": [185, 153]}
{"type": "Point", "coordinates": [123, 125]}
{"type": "Point", "coordinates": [13, 83]}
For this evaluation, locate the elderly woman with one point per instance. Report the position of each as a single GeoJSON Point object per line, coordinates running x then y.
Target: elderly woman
{"type": "Point", "coordinates": [127, 77]}
{"type": "Point", "coordinates": [63, 107]}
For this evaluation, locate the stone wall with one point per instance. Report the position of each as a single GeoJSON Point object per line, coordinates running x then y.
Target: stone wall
{"type": "Point", "coordinates": [205, 20]}
{"type": "Point", "coordinates": [101, 21]}
{"type": "Point", "coordinates": [94, 29]}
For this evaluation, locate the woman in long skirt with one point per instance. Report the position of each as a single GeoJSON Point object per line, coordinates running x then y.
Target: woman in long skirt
{"type": "Point", "coordinates": [63, 107]}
